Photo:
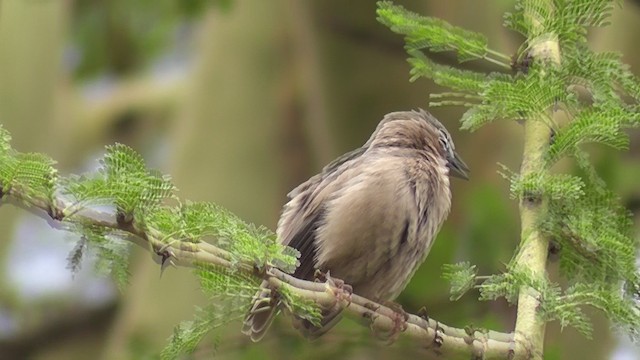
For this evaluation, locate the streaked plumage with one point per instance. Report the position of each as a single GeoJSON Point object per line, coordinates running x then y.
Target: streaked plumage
{"type": "Point", "coordinates": [370, 217]}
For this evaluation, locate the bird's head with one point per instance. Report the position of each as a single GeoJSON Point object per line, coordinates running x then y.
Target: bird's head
{"type": "Point", "coordinates": [418, 130]}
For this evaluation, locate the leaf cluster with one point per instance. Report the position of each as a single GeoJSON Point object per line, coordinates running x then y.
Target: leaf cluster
{"type": "Point", "coordinates": [599, 96]}
{"type": "Point", "coordinates": [143, 203]}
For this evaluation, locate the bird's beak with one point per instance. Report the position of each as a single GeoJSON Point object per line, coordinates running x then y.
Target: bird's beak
{"type": "Point", "coordinates": [458, 168]}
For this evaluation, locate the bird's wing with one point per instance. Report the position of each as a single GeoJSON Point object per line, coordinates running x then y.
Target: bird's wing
{"type": "Point", "coordinates": [303, 240]}
{"type": "Point", "coordinates": [305, 212]}
{"type": "Point", "coordinates": [297, 226]}
{"type": "Point", "coordinates": [328, 170]}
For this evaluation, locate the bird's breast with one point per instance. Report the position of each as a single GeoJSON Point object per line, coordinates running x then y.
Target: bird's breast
{"type": "Point", "coordinates": [380, 225]}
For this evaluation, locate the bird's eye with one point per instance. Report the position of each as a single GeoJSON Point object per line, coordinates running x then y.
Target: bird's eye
{"type": "Point", "coordinates": [445, 142]}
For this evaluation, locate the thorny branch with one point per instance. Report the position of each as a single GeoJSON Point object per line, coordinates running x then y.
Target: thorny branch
{"type": "Point", "coordinates": [429, 333]}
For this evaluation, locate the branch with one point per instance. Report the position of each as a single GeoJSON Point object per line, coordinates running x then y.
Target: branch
{"type": "Point", "coordinates": [429, 333]}
{"type": "Point", "coordinates": [534, 247]}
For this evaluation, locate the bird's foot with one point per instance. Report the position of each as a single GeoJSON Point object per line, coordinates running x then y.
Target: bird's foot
{"type": "Point", "coordinates": [399, 319]}
{"type": "Point", "coordinates": [341, 290]}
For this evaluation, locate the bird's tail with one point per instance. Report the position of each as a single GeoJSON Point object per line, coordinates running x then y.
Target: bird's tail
{"type": "Point", "coordinates": [308, 330]}
{"type": "Point", "coordinates": [261, 315]}
{"type": "Point", "coordinates": [265, 308]}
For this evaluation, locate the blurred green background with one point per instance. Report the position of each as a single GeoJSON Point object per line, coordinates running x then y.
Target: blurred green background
{"type": "Point", "coordinates": [240, 101]}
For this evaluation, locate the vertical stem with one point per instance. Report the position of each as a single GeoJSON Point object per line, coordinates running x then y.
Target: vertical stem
{"type": "Point", "coordinates": [529, 331]}
{"type": "Point", "coordinates": [532, 257]}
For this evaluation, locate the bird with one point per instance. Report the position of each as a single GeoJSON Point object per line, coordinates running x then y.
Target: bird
{"type": "Point", "coordinates": [369, 218]}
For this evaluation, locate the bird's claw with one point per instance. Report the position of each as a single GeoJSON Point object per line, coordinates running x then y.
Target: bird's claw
{"type": "Point", "coordinates": [399, 318]}
{"type": "Point", "coordinates": [341, 290]}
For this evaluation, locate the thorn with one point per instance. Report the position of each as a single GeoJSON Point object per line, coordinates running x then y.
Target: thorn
{"type": "Point", "coordinates": [470, 331]}
{"type": "Point", "coordinates": [164, 248]}
{"type": "Point", "coordinates": [438, 340]}
{"type": "Point", "coordinates": [165, 264]}
{"type": "Point", "coordinates": [123, 219]}
{"type": "Point", "coordinates": [55, 213]}
{"type": "Point", "coordinates": [423, 313]}
{"type": "Point", "coordinates": [167, 257]}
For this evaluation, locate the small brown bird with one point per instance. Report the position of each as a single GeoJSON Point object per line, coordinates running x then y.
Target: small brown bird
{"type": "Point", "coordinates": [370, 217]}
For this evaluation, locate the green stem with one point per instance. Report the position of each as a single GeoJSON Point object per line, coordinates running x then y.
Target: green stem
{"type": "Point", "coordinates": [455, 94]}
{"type": "Point", "coordinates": [497, 62]}
{"type": "Point", "coordinates": [534, 246]}
{"type": "Point", "coordinates": [499, 55]}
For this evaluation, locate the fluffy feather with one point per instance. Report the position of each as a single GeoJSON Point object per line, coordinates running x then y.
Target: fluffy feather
{"type": "Point", "coordinates": [370, 217]}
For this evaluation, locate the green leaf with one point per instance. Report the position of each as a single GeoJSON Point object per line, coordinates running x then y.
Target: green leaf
{"type": "Point", "coordinates": [596, 124]}
{"type": "Point", "coordinates": [5, 142]}
{"type": "Point", "coordinates": [189, 334]}
{"type": "Point", "coordinates": [566, 19]}
{"type": "Point", "coordinates": [111, 252]}
{"type": "Point", "coordinates": [468, 81]}
{"type": "Point", "coordinates": [303, 308]}
{"type": "Point", "coordinates": [217, 281]}
{"type": "Point", "coordinates": [552, 186]}
{"type": "Point", "coordinates": [462, 277]}
{"type": "Point", "coordinates": [434, 34]}
{"type": "Point", "coordinates": [528, 96]}
{"type": "Point", "coordinates": [32, 174]}
{"type": "Point", "coordinates": [123, 181]}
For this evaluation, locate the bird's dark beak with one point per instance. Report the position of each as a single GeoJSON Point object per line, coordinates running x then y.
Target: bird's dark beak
{"type": "Point", "coordinates": [458, 168]}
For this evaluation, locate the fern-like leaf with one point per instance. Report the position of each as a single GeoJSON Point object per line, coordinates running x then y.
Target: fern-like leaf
{"type": "Point", "coordinates": [461, 276]}
{"type": "Point", "coordinates": [434, 34]}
